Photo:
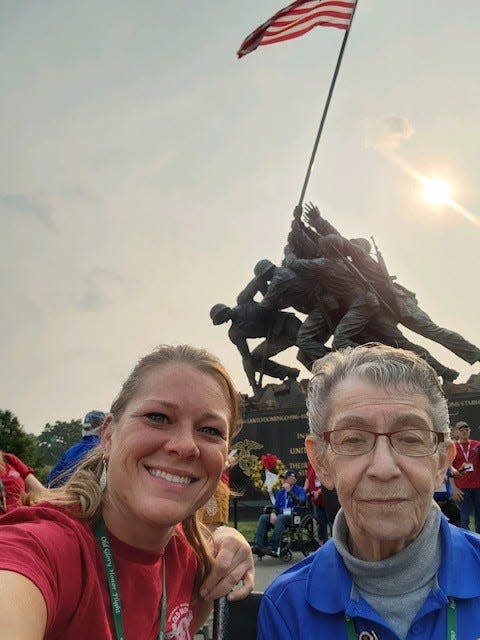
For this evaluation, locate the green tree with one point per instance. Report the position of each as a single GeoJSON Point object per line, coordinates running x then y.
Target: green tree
{"type": "Point", "coordinates": [56, 438]}
{"type": "Point", "coordinates": [14, 439]}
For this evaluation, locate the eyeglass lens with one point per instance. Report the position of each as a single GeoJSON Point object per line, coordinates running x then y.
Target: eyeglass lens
{"type": "Point", "coordinates": [408, 442]}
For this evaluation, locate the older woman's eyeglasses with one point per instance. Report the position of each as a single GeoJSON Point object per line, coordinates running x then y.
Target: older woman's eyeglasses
{"type": "Point", "coordinates": [407, 442]}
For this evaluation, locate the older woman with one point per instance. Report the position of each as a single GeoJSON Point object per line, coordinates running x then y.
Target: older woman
{"type": "Point", "coordinates": [117, 552]}
{"type": "Point", "coordinates": [395, 568]}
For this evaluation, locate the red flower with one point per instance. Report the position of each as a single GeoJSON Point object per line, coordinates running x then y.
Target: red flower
{"type": "Point", "coordinates": [269, 461]}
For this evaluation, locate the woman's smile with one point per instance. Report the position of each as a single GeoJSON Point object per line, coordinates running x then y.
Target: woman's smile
{"type": "Point", "coordinates": [173, 478]}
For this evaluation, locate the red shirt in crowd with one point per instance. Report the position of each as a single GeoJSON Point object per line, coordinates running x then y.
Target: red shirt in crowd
{"type": "Point", "coordinates": [467, 453]}
{"type": "Point", "coordinates": [313, 484]}
{"type": "Point", "coordinates": [13, 477]}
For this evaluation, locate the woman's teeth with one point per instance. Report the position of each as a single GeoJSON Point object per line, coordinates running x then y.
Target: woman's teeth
{"type": "Point", "coordinates": [169, 476]}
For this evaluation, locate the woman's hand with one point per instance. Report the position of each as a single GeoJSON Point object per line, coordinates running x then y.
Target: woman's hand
{"type": "Point", "coordinates": [233, 571]}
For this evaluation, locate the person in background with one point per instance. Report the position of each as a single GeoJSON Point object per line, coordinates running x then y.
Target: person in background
{"type": "Point", "coordinates": [289, 496]}
{"type": "Point", "coordinates": [445, 495]}
{"type": "Point", "coordinates": [118, 552]}
{"type": "Point", "coordinates": [16, 478]}
{"type": "Point", "coordinates": [395, 569]}
{"type": "Point", "coordinates": [467, 462]}
{"type": "Point", "coordinates": [331, 503]}
{"type": "Point", "coordinates": [65, 466]}
{"type": "Point", "coordinates": [313, 488]}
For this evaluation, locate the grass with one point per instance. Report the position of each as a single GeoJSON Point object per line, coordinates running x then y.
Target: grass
{"type": "Point", "coordinates": [247, 528]}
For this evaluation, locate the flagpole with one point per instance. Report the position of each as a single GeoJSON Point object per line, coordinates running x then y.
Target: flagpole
{"type": "Point", "coordinates": [327, 104]}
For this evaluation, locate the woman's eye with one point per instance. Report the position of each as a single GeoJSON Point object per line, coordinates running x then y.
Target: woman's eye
{"type": "Point", "coordinates": [158, 418]}
{"type": "Point", "coordinates": [351, 437]}
{"type": "Point", "coordinates": [212, 431]}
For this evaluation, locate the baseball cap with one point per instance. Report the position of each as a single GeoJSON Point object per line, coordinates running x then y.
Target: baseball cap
{"type": "Point", "coordinates": [92, 422]}
{"type": "Point", "coordinates": [462, 425]}
{"type": "Point", "coordinates": [289, 473]}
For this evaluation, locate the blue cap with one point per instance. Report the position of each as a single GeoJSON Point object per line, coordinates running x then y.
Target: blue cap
{"type": "Point", "coordinates": [92, 422]}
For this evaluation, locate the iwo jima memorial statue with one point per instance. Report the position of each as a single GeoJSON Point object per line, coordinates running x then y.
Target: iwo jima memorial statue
{"type": "Point", "coordinates": [348, 298]}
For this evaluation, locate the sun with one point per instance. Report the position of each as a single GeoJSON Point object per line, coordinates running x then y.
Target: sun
{"type": "Point", "coordinates": [437, 191]}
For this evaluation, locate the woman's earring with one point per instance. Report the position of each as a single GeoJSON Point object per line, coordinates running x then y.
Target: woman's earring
{"type": "Point", "coordinates": [103, 476]}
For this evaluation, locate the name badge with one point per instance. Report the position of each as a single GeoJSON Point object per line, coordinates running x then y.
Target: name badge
{"type": "Point", "coordinates": [287, 511]}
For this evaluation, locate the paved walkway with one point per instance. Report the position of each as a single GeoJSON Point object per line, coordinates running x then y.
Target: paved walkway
{"type": "Point", "coordinates": [268, 568]}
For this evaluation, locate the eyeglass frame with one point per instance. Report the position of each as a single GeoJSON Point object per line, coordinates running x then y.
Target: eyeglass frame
{"type": "Point", "coordinates": [440, 436]}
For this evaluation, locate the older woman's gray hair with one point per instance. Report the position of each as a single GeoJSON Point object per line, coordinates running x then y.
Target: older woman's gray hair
{"type": "Point", "coordinates": [385, 366]}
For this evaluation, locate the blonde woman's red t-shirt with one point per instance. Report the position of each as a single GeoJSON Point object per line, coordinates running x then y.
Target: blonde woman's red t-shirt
{"type": "Point", "coordinates": [60, 555]}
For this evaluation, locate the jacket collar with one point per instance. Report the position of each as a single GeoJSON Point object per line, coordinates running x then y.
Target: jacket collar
{"type": "Point", "coordinates": [457, 576]}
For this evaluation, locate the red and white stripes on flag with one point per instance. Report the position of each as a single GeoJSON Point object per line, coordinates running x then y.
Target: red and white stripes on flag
{"type": "Point", "coordinates": [298, 18]}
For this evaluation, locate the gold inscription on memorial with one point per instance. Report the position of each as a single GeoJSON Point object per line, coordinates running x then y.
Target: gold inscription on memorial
{"type": "Point", "coordinates": [259, 419]}
{"type": "Point", "coordinates": [295, 451]}
{"type": "Point", "coordinates": [298, 465]}
{"type": "Point", "coordinates": [463, 403]}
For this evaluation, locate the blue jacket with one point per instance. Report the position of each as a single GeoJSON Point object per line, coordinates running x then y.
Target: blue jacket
{"type": "Point", "coordinates": [70, 459]}
{"type": "Point", "coordinates": [309, 600]}
{"type": "Point", "coordinates": [283, 499]}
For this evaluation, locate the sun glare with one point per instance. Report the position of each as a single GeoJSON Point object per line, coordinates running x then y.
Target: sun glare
{"type": "Point", "coordinates": [437, 191]}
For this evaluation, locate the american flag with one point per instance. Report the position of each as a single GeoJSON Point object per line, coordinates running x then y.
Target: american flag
{"type": "Point", "coordinates": [298, 18]}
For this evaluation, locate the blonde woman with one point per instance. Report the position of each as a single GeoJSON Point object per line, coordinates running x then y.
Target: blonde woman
{"type": "Point", "coordinates": [117, 552]}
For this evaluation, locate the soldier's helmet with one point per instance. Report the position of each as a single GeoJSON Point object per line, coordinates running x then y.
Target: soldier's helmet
{"type": "Point", "coordinates": [217, 313]}
{"type": "Point", "coordinates": [262, 267]}
{"type": "Point", "coordinates": [362, 243]}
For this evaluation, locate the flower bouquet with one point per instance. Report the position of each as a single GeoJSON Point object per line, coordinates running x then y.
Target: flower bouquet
{"type": "Point", "coordinates": [266, 474]}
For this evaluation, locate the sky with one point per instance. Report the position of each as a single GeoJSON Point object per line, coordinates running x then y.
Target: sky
{"type": "Point", "coordinates": [145, 170]}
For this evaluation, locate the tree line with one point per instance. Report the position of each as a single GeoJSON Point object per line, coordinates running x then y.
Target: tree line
{"type": "Point", "coordinates": [39, 452]}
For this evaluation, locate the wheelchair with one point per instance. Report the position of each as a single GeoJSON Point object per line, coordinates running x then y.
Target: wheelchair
{"type": "Point", "coordinates": [236, 620]}
{"type": "Point", "coordinates": [298, 536]}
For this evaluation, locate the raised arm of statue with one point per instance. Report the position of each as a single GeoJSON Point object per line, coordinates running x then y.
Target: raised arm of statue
{"type": "Point", "coordinates": [314, 218]}
{"type": "Point", "coordinates": [297, 212]}
{"type": "Point", "coordinates": [303, 239]}
{"type": "Point", "coordinates": [312, 215]}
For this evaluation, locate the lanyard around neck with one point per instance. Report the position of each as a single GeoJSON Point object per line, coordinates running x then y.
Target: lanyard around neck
{"type": "Point", "coordinates": [466, 455]}
{"type": "Point", "coordinates": [451, 625]}
{"type": "Point", "coordinates": [108, 563]}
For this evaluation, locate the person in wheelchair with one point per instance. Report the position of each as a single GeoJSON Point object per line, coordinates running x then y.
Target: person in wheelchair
{"type": "Point", "coordinates": [289, 496]}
